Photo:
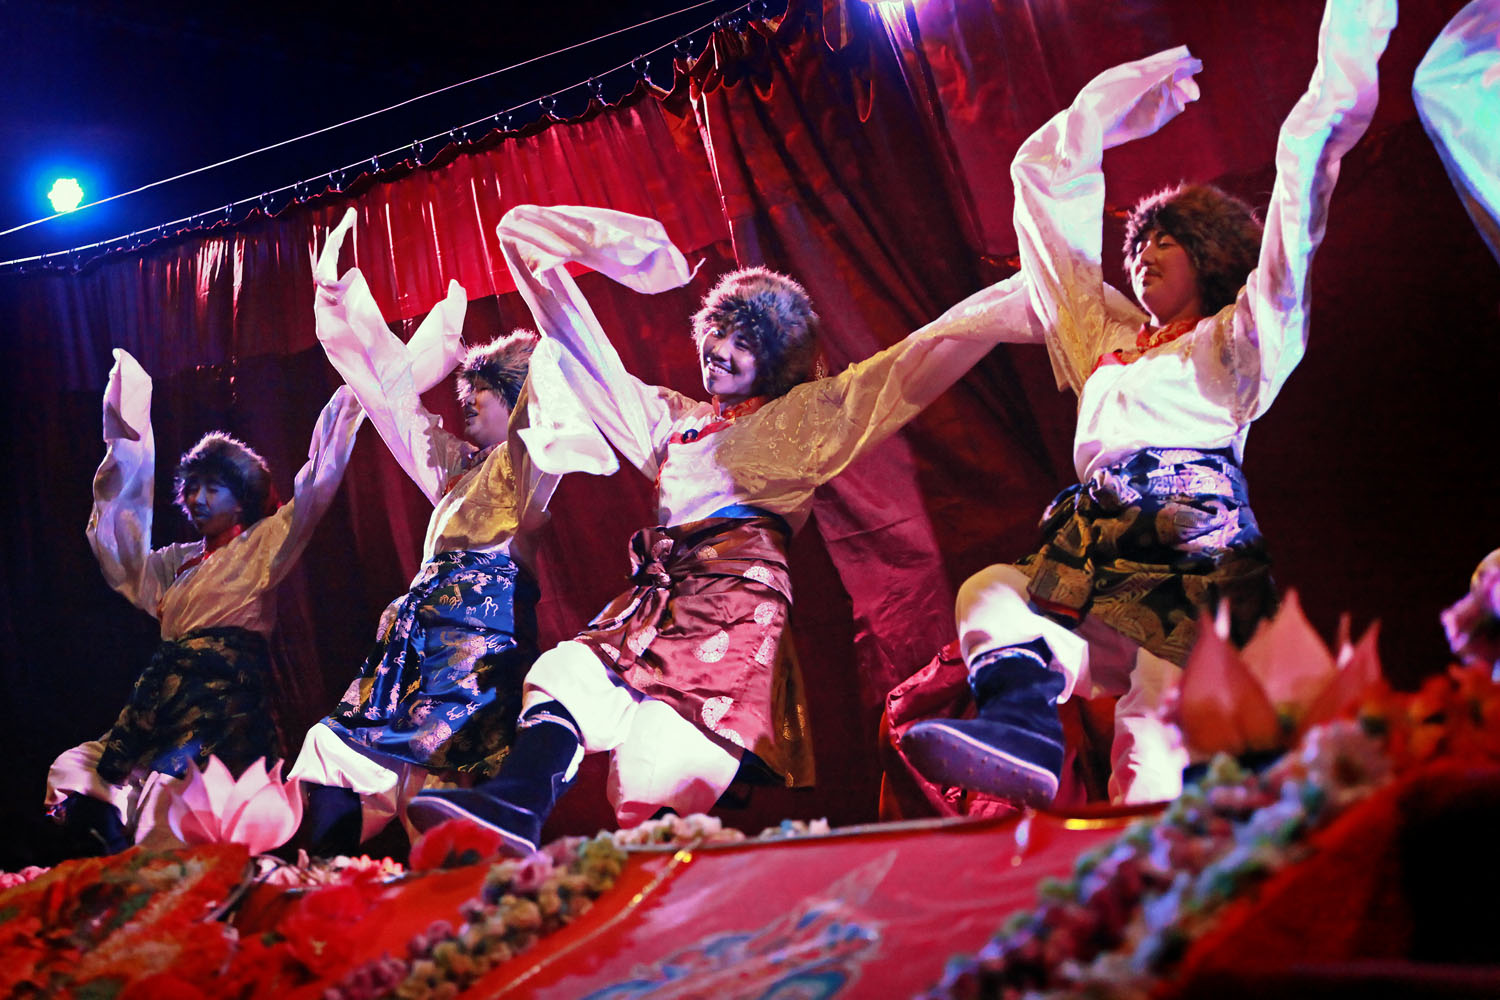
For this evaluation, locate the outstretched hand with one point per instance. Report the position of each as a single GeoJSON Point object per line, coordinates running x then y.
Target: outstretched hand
{"type": "Point", "coordinates": [326, 268]}
{"type": "Point", "coordinates": [127, 399]}
{"type": "Point", "coordinates": [438, 344]}
{"type": "Point", "coordinates": [1135, 99]}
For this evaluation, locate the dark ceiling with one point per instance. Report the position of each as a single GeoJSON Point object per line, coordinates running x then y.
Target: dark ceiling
{"type": "Point", "coordinates": [122, 94]}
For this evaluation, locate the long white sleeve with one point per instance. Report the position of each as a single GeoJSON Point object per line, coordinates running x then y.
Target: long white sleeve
{"type": "Point", "coordinates": [318, 480]}
{"type": "Point", "coordinates": [1457, 92]}
{"type": "Point", "coordinates": [538, 243]}
{"type": "Point", "coordinates": [1271, 313]}
{"type": "Point", "coordinates": [119, 528]}
{"type": "Point", "coordinates": [386, 375]}
{"type": "Point", "coordinates": [1059, 206]}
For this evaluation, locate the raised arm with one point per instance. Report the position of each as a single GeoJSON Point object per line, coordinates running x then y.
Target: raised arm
{"type": "Point", "coordinates": [386, 375]}
{"type": "Point", "coordinates": [1457, 91]}
{"type": "Point", "coordinates": [835, 420]}
{"type": "Point", "coordinates": [538, 244]}
{"type": "Point", "coordinates": [317, 481]}
{"type": "Point", "coordinates": [119, 528]}
{"type": "Point", "coordinates": [1270, 316]}
{"type": "Point", "coordinates": [1060, 202]}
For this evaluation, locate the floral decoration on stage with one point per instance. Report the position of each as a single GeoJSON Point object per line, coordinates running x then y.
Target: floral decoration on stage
{"type": "Point", "coordinates": [1131, 910]}
{"type": "Point", "coordinates": [521, 901]}
{"type": "Point", "coordinates": [212, 806]}
{"type": "Point", "coordinates": [99, 926]}
{"type": "Point", "coordinates": [698, 830]}
{"type": "Point", "coordinates": [159, 924]}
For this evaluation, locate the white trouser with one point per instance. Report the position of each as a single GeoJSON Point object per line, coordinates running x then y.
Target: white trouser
{"type": "Point", "coordinates": [657, 758]}
{"type": "Point", "coordinates": [385, 784]}
{"type": "Point", "coordinates": [141, 799]}
{"type": "Point", "coordinates": [1147, 757]}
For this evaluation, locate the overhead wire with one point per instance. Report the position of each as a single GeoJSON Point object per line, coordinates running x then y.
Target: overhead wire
{"type": "Point", "coordinates": [322, 131]}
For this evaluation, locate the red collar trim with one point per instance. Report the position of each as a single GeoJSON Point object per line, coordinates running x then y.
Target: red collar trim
{"type": "Point", "coordinates": [726, 415]}
{"type": "Point", "coordinates": [210, 546]}
{"type": "Point", "coordinates": [1147, 338]}
{"type": "Point", "coordinates": [222, 539]}
{"type": "Point", "coordinates": [743, 408]}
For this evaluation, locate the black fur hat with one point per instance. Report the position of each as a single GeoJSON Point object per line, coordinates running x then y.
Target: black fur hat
{"type": "Point", "coordinates": [501, 364]}
{"type": "Point", "coordinates": [236, 465]}
{"type": "Point", "coordinates": [774, 314]}
{"type": "Point", "coordinates": [1219, 232]}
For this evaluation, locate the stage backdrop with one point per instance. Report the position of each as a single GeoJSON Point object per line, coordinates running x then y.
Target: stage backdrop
{"type": "Point", "coordinates": [864, 150]}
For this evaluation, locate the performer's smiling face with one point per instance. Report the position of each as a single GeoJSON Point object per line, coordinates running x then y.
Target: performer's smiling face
{"type": "Point", "coordinates": [210, 504]}
{"type": "Point", "coordinates": [1165, 280]}
{"type": "Point", "coordinates": [486, 413]}
{"type": "Point", "coordinates": [729, 366]}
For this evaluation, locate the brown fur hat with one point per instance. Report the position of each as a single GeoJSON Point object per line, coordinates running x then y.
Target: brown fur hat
{"type": "Point", "coordinates": [1219, 232]}
{"type": "Point", "coordinates": [236, 465]}
{"type": "Point", "coordinates": [774, 314]}
{"type": "Point", "coordinates": [501, 364]}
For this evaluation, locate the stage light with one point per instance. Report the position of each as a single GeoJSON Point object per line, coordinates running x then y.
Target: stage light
{"type": "Point", "coordinates": [66, 194]}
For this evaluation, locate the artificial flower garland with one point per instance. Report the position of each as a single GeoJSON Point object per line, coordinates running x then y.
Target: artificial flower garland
{"type": "Point", "coordinates": [1127, 916]}
{"type": "Point", "coordinates": [520, 902]}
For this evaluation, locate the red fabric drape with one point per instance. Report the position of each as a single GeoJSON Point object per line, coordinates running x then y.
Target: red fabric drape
{"type": "Point", "coordinates": [865, 154]}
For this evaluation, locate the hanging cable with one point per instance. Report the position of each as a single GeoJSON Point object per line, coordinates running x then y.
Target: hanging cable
{"type": "Point", "coordinates": [263, 200]}
{"type": "Point", "coordinates": [352, 121]}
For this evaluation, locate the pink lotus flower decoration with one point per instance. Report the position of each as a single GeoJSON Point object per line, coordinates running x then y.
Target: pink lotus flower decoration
{"type": "Point", "coordinates": [258, 810]}
{"type": "Point", "coordinates": [1283, 683]}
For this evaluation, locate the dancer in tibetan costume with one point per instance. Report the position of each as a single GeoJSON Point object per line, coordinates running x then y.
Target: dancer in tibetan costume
{"type": "Point", "coordinates": [1160, 527]}
{"type": "Point", "coordinates": [440, 692]}
{"type": "Point", "coordinates": [206, 691]}
{"type": "Point", "coordinates": [685, 678]}
{"type": "Point", "coordinates": [1457, 93]}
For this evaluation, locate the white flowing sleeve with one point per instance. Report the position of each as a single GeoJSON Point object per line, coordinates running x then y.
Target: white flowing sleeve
{"type": "Point", "coordinates": [538, 244]}
{"type": "Point", "coordinates": [1270, 315]}
{"type": "Point", "coordinates": [386, 375]}
{"type": "Point", "coordinates": [119, 528]}
{"type": "Point", "coordinates": [835, 420]}
{"type": "Point", "coordinates": [1457, 91]}
{"type": "Point", "coordinates": [316, 483]}
{"type": "Point", "coordinates": [1059, 205]}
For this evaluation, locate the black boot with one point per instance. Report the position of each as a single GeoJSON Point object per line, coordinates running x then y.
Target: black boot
{"type": "Point", "coordinates": [516, 802]}
{"type": "Point", "coordinates": [1014, 748]}
{"type": "Point", "coordinates": [91, 827]}
{"type": "Point", "coordinates": [331, 822]}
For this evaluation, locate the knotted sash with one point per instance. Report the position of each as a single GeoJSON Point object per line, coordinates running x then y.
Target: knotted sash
{"type": "Point", "coordinates": [1147, 544]}
{"type": "Point", "coordinates": [442, 687]}
{"type": "Point", "coordinates": [205, 692]}
{"type": "Point", "coordinates": [702, 629]}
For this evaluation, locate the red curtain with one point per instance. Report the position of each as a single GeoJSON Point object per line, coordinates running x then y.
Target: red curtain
{"type": "Point", "coordinates": [863, 150]}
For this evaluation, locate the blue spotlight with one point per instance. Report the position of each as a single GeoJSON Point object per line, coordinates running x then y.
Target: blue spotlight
{"type": "Point", "coordinates": [66, 194]}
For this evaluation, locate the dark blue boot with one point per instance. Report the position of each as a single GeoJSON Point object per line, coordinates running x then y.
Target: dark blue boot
{"type": "Point", "coordinates": [331, 822]}
{"type": "Point", "coordinates": [517, 801]}
{"type": "Point", "coordinates": [1013, 749]}
{"type": "Point", "coordinates": [91, 827]}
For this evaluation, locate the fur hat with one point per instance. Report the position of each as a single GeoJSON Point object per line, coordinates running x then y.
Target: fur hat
{"type": "Point", "coordinates": [237, 466]}
{"type": "Point", "coordinates": [774, 314]}
{"type": "Point", "coordinates": [1219, 232]}
{"type": "Point", "coordinates": [501, 364]}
